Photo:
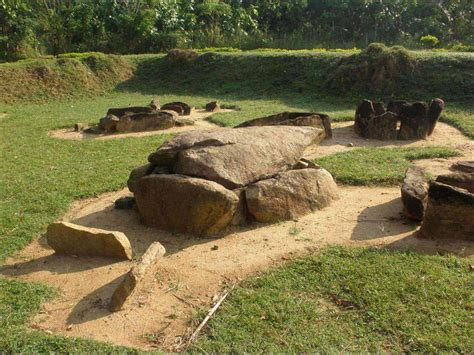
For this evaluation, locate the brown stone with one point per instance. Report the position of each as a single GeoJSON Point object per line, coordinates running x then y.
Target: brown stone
{"type": "Point", "coordinates": [72, 239]}
{"type": "Point", "coordinates": [184, 109]}
{"type": "Point", "coordinates": [185, 204]}
{"type": "Point", "coordinates": [291, 194]}
{"type": "Point", "coordinates": [449, 213]}
{"type": "Point", "coordinates": [434, 112]}
{"type": "Point", "coordinates": [414, 192]}
{"type": "Point", "coordinates": [212, 106]}
{"type": "Point", "coordinates": [155, 104]}
{"type": "Point", "coordinates": [235, 157]}
{"type": "Point", "coordinates": [461, 180]}
{"type": "Point", "coordinates": [464, 166]}
{"type": "Point", "coordinates": [108, 123]}
{"type": "Point", "coordinates": [364, 112]}
{"type": "Point", "coordinates": [119, 112]}
{"type": "Point", "coordinates": [146, 122]}
{"type": "Point", "coordinates": [310, 119]}
{"type": "Point", "coordinates": [131, 280]}
{"type": "Point", "coordinates": [414, 122]}
{"type": "Point", "coordinates": [396, 106]}
{"type": "Point", "coordinates": [137, 173]}
{"type": "Point", "coordinates": [78, 127]}
{"type": "Point", "coordinates": [382, 127]}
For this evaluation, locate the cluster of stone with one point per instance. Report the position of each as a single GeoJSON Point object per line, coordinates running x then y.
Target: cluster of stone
{"type": "Point", "coordinates": [401, 120]}
{"type": "Point", "coordinates": [445, 206]}
{"type": "Point", "coordinates": [200, 182]}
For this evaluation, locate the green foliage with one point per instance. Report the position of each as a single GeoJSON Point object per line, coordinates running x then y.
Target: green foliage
{"type": "Point", "coordinates": [378, 166]}
{"type": "Point", "coordinates": [429, 41]}
{"type": "Point", "coordinates": [349, 300]}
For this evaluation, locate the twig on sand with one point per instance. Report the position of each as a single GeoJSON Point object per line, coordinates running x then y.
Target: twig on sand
{"type": "Point", "coordinates": [208, 316]}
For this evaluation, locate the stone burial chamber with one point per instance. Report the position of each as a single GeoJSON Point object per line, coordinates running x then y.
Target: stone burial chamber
{"type": "Point", "coordinates": [145, 118]}
{"type": "Point", "coordinates": [200, 182]}
{"type": "Point", "coordinates": [401, 120]}
{"type": "Point", "coordinates": [445, 206]}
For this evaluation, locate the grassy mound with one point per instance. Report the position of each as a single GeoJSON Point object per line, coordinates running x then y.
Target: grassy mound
{"type": "Point", "coordinates": [66, 76]}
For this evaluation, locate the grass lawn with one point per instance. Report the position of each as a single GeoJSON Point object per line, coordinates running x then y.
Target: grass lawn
{"type": "Point", "coordinates": [378, 166]}
{"type": "Point", "coordinates": [354, 300]}
{"type": "Point", "coordinates": [413, 302]}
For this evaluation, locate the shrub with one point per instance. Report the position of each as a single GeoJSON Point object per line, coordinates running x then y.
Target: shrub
{"type": "Point", "coordinates": [459, 47]}
{"type": "Point", "coordinates": [179, 57]}
{"type": "Point", "coordinates": [429, 41]}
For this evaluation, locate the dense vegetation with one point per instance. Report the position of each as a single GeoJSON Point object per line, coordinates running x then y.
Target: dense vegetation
{"type": "Point", "coordinates": [28, 28]}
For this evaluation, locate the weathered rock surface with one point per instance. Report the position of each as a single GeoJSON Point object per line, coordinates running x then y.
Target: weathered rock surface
{"type": "Point", "coordinates": [131, 280]}
{"type": "Point", "coordinates": [449, 213]}
{"type": "Point", "coordinates": [461, 180]}
{"type": "Point", "coordinates": [212, 106]}
{"type": "Point", "coordinates": [466, 166]}
{"type": "Point", "coordinates": [108, 123]}
{"type": "Point", "coordinates": [119, 112]}
{"type": "Point", "coordinates": [364, 112]}
{"type": "Point", "coordinates": [137, 173]}
{"type": "Point", "coordinates": [414, 121]}
{"type": "Point", "coordinates": [72, 239]}
{"type": "Point", "coordinates": [181, 108]}
{"type": "Point", "coordinates": [396, 106]}
{"type": "Point", "coordinates": [310, 119]}
{"type": "Point", "coordinates": [185, 204]}
{"type": "Point", "coordinates": [146, 122]}
{"type": "Point", "coordinates": [383, 127]}
{"type": "Point", "coordinates": [414, 192]}
{"type": "Point", "coordinates": [226, 157]}
{"type": "Point", "coordinates": [291, 194]}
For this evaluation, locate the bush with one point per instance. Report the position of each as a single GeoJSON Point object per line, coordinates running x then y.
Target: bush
{"type": "Point", "coordinates": [459, 47]}
{"type": "Point", "coordinates": [180, 57]}
{"type": "Point", "coordinates": [429, 41]}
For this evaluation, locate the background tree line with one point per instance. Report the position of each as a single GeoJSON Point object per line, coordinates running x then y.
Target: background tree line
{"type": "Point", "coordinates": [31, 27]}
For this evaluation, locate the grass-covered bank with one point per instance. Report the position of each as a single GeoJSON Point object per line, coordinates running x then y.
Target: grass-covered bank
{"type": "Point", "coordinates": [356, 300]}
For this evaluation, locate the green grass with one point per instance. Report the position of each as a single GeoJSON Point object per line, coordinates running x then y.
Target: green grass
{"type": "Point", "coordinates": [378, 166]}
{"type": "Point", "coordinates": [350, 300]}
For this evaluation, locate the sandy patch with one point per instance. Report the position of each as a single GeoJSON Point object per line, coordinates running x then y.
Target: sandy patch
{"type": "Point", "coordinates": [199, 115]}
{"type": "Point", "coordinates": [195, 270]}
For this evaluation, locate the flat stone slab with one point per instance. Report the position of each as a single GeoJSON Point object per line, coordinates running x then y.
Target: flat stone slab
{"type": "Point", "coordinates": [72, 239]}
{"type": "Point", "coordinates": [466, 166]}
{"type": "Point", "coordinates": [236, 157]}
{"type": "Point", "coordinates": [135, 275]}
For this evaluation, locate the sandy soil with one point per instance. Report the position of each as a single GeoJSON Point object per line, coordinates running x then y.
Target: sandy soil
{"type": "Point", "coordinates": [199, 115]}
{"type": "Point", "coordinates": [194, 271]}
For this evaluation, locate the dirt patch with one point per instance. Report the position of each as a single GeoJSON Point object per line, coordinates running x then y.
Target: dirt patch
{"type": "Point", "coordinates": [344, 135]}
{"type": "Point", "coordinates": [195, 270]}
{"type": "Point", "coordinates": [199, 115]}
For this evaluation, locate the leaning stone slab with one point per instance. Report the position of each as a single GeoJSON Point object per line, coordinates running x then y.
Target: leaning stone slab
{"type": "Point", "coordinates": [185, 204]}
{"type": "Point", "coordinates": [291, 194]}
{"type": "Point", "coordinates": [235, 157]}
{"type": "Point", "coordinates": [72, 239]}
{"type": "Point", "coordinates": [449, 213]}
{"type": "Point", "coordinates": [135, 275]}
{"type": "Point", "coordinates": [414, 192]}
{"type": "Point", "coordinates": [461, 180]}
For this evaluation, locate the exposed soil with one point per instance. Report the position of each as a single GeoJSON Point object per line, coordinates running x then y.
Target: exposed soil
{"type": "Point", "coordinates": [195, 270]}
{"type": "Point", "coordinates": [199, 115]}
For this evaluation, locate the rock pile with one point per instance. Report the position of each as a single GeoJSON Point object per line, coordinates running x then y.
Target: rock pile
{"type": "Point", "coordinates": [402, 120]}
{"type": "Point", "coordinates": [202, 181]}
{"type": "Point", "coordinates": [445, 206]}
{"type": "Point", "coordinates": [144, 118]}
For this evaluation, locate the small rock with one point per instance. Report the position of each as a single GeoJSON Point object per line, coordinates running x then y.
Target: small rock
{"type": "Point", "coordinates": [155, 104]}
{"type": "Point", "coordinates": [78, 127]}
{"type": "Point", "coordinates": [215, 247]}
{"type": "Point", "coordinates": [212, 106]}
{"type": "Point", "coordinates": [72, 239]}
{"type": "Point", "coordinates": [350, 144]}
{"type": "Point", "coordinates": [69, 327]}
{"type": "Point", "coordinates": [125, 203]}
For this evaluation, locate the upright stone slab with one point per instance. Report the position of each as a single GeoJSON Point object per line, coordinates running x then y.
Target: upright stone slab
{"type": "Point", "coordinates": [449, 213]}
{"type": "Point", "coordinates": [414, 192]}
{"type": "Point", "coordinates": [72, 239]}
{"type": "Point", "coordinates": [185, 204]}
{"type": "Point", "coordinates": [414, 122]}
{"type": "Point", "coordinates": [461, 180]}
{"type": "Point", "coordinates": [365, 111]}
{"type": "Point", "coordinates": [291, 194]}
{"type": "Point", "coordinates": [434, 113]}
{"type": "Point", "coordinates": [383, 127]}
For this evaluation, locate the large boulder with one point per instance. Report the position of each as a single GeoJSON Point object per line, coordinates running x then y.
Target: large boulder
{"type": "Point", "coordinates": [466, 166]}
{"type": "Point", "coordinates": [364, 112]}
{"type": "Point", "coordinates": [434, 112]}
{"type": "Point", "coordinates": [414, 122]}
{"type": "Point", "coordinates": [146, 121]}
{"type": "Point", "coordinates": [236, 157]}
{"type": "Point", "coordinates": [185, 204]}
{"type": "Point", "coordinates": [72, 239]}
{"type": "Point", "coordinates": [108, 123]}
{"type": "Point", "coordinates": [119, 112]}
{"type": "Point", "coordinates": [310, 119]}
{"type": "Point", "coordinates": [212, 106]}
{"type": "Point", "coordinates": [462, 180]}
{"type": "Point", "coordinates": [291, 194]}
{"type": "Point", "coordinates": [181, 108]}
{"type": "Point", "coordinates": [414, 192]}
{"type": "Point", "coordinates": [449, 213]}
{"type": "Point", "coordinates": [382, 127]}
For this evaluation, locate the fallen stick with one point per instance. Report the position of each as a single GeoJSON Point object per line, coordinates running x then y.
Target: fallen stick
{"type": "Point", "coordinates": [208, 316]}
